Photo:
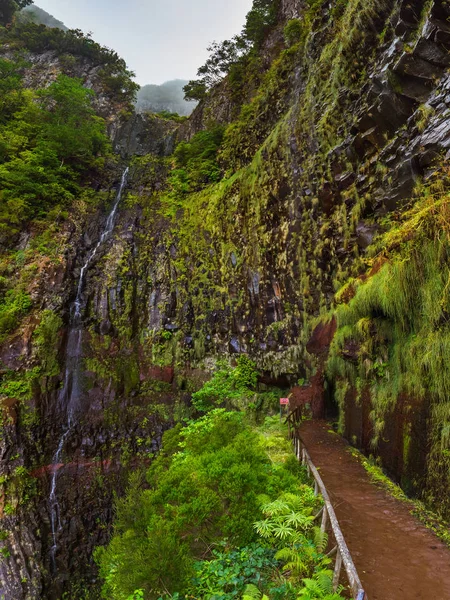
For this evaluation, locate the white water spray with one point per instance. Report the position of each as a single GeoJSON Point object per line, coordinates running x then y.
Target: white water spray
{"type": "Point", "coordinates": [69, 396]}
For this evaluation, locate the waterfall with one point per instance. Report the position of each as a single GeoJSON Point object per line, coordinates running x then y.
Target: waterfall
{"type": "Point", "coordinates": [70, 393]}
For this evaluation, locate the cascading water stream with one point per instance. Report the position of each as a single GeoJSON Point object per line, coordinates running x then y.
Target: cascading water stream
{"type": "Point", "coordinates": [69, 396]}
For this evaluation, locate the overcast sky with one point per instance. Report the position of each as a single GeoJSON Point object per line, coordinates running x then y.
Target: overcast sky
{"type": "Point", "coordinates": [159, 39]}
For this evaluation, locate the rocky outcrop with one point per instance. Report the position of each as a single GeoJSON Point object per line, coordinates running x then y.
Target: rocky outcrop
{"type": "Point", "coordinates": [41, 69]}
{"type": "Point", "coordinates": [350, 122]}
{"type": "Point", "coordinates": [143, 134]}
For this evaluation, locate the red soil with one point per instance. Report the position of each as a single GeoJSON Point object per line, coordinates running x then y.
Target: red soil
{"type": "Point", "coordinates": [396, 557]}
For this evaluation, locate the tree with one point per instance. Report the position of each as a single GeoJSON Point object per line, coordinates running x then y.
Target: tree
{"type": "Point", "coordinates": [70, 127]}
{"type": "Point", "coordinates": [226, 55]}
{"type": "Point", "coordinates": [195, 90]}
{"type": "Point", "coordinates": [46, 139]}
{"type": "Point", "coordinates": [10, 88]}
{"type": "Point", "coordinates": [9, 7]}
{"type": "Point", "coordinates": [259, 20]}
{"type": "Point", "coordinates": [223, 56]}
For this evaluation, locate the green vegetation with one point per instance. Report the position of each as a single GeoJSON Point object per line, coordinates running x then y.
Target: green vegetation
{"type": "Point", "coordinates": [399, 317]}
{"type": "Point", "coordinates": [230, 570]}
{"type": "Point", "coordinates": [293, 31]}
{"type": "Point", "coordinates": [52, 145]}
{"type": "Point", "coordinates": [229, 56]}
{"type": "Point", "coordinates": [243, 210]}
{"type": "Point", "coordinates": [245, 136]}
{"type": "Point", "coordinates": [46, 340]}
{"type": "Point", "coordinates": [224, 506]}
{"type": "Point", "coordinates": [46, 139]}
{"type": "Point", "coordinates": [15, 303]}
{"type": "Point", "coordinates": [230, 387]}
{"type": "Point", "coordinates": [17, 489]}
{"type": "Point", "coordinates": [114, 75]}
{"type": "Point", "coordinates": [196, 162]}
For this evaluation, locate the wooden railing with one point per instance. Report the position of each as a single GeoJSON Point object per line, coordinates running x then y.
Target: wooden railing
{"type": "Point", "coordinates": [328, 517]}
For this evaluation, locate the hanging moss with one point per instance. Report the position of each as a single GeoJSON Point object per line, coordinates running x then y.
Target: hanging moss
{"type": "Point", "coordinates": [395, 333]}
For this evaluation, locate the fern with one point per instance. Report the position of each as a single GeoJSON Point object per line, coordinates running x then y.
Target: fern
{"type": "Point", "coordinates": [264, 528]}
{"type": "Point", "coordinates": [324, 581]}
{"type": "Point", "coordinates": [282, 531]}
{"type": "Point", "coordinates": [299, 520]}
{"type": "Point", "coordinates": [320, 539]}
{"type": "Point", "coordinates": [273, 509]}
{"type": "Point", "coordinates": [251, 592]}
{"type": "Point", "coordinates": [320, 587]}
{"type": "Point", "coordinates": [294, 562]}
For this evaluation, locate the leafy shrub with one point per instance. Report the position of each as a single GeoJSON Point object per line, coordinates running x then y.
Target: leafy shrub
{"type": "Point", "coordinates": [293, 31]}
{"type": "Point", "coordinates": [53, 137]}
{"type": "Point", "coordinates": [226, 575]}
{"type": "Point", "coordinates": [204, 487]}
{"type": "Point", "coordinates": [196, 161]}
{"type": "Point", "coordinates": [18, 385]}
{"type": "Point", "coordinates": [16, 303]}
{"type": "Point", "coordinates": [228, 386]}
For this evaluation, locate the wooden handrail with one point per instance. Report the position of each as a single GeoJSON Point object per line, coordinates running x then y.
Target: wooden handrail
{"type": "Point", "coordinates": [343, 555]}
{"type": "Point", "coordinates": [294, 418]}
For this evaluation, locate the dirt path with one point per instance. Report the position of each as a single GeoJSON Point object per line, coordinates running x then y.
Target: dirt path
{"type": "Point", "coordinates": [396, 557]}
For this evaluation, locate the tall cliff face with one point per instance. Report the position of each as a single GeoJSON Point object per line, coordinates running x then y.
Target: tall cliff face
{"type": "Point", "coordinates": [331, 177]}
{"type": "Point", "coordinates": [47, 535]}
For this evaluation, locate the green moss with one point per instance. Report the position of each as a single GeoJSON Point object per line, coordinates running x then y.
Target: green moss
{"type": "Point", "coordinates": [17, 489]}
{"type": "Point", "coordinates": [394, 334]}
{"type": "Point", "coordinates": [431, 520]}
{"type": "Point", "coordinates": [16, 303]}
{"type": "Point", "coordinates": [46, 340]}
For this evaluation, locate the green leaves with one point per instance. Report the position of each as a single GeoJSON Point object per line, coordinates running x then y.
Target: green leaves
{"type": "Point", "coordinates": [282, 522]}
{"type": "Point", "coordinates": [231, 570]}
{"type": "Point", "coordinates": [46, 139]}
{"type": "Point", "coordinates": [319, 587]}
{"type": "Point", "coordinates": [196, 161]}
{"type": "Point", "coordinates": [230, 387]}
{"type": "Point", "coordinates": [288, 526]}
{"type": "Point", "coordinates": [203, 488]}
{"type": "Point", "coordinates": [14, 305]}
{"type": "Point", "coordinates": [69, 125]}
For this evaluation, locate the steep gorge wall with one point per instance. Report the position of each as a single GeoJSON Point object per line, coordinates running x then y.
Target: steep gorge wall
{"type": "Point", "coordinates": [347, 124]}
{"type": "Point", "coordinates": [117, 428]}
{"type": "Point", "coordinates": [347, 121]}
{"type": "Point", "coordinates": [347, 127]}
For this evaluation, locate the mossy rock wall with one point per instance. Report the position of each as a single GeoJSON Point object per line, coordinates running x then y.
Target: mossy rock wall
{"type": "Point", "coordinates": [341, 132]}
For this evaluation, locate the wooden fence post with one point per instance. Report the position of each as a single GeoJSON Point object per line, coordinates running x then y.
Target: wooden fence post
{"type": "Point", "coordinates": [337, 570]}
{"type": "Point", "coordinates": [323, 524]}
{"type": "Point", "coordinates": [343, 556]}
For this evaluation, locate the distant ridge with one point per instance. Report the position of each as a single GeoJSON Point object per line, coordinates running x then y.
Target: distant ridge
{"type": "Point", "coordinates": [167, 97]}
{"type": "Point", "coordinates": [38, 15]}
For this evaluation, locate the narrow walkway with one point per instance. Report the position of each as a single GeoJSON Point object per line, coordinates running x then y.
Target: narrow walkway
{"type": "Point", "coordinates": [396, 557]}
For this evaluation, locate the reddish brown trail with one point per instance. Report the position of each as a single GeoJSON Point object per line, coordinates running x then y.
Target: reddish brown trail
{"type": "Point", "coordinates": [396, 557]}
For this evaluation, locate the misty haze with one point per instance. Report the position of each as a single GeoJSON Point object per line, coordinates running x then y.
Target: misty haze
{"type": "Point", "coordinates": [225, 300]}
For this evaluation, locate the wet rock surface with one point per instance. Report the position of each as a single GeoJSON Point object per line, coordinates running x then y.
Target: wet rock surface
{"type": "Point", "coordinates": [145, 134]}
{"type": "Point", "coordinates": [157, 315]}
